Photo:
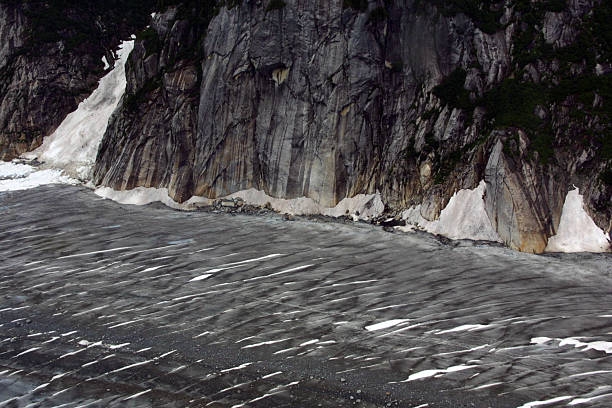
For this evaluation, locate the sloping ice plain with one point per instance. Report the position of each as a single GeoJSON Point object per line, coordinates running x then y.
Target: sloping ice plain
{"type": "Point", "coordinates": [104, 304]}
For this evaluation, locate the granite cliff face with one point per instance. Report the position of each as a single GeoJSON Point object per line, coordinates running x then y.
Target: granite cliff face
{"type": "Point", "coordinates": [409, 98]}
{"type": "Point", "coordinates": [51, 59]}
{"type": "Point", "coordinates": [413, 99]}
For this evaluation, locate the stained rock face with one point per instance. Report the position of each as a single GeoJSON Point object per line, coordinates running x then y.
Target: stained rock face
{"type": "Point", "coordinates": [310, 100]}
{"type": "Point", "coordinates": [151, 140]}
{"type": "Point", "coordinates": [519, 210]}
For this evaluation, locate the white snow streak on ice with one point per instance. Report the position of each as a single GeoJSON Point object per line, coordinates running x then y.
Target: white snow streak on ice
{"type": "Point", "coordinates": [93, 253]}
{"type": "Point", "coordinates": [240, 367]}
{"type": "Point", "coordinates": [545, 402]}
{"type": "Point", "coordinates": [577, 401]}
{"type": "Point", "coordinates": [465, 327]}
{"type": "Point", "coordinates": [590, 373]}
{"type": "Point", "coordinates": [577, 232]}
{"type": "Point", "coordinates": [27, 351]}
{"type": "Point", "coordinates": [482, 387]}
{"type": "Point", "coordinates": [137, 395]}
{"type": "Point", "coordinates": [431, 373]}
{"type": "Point", "coordinates": [385, 324]}
{"type": "Point", "coordinates": [233, 265]}
{"type": "Point", "coordinates": [299, 268]}
{"type": "Point", "coordinates": [272, 375]}
{"type": "Point", "coordinates": [117, 346]}
{"type": "Point", "coordinates": [604, 346]}
{"type": "Point", "coordinates": [263, 343]}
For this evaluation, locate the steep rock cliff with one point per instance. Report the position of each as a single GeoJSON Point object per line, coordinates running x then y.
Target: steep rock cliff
{"type": "Point", "coordinates": [51, 59]}
{"type": "Point", "coordinates": [415, 99]}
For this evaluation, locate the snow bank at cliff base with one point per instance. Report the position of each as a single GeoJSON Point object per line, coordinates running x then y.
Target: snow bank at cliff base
{"type": "Point", "coordinates": [464, 217]}
{"type": "Point", "coordinates": [297, 206]}
{"type": "Point", "coordinates": [361, 206]}
{"type": "Point", "coordinates": [147, 195]}
{"type": "Point", "coordinates": [18, 176]}
{"type": "Point", "coordinates": [577, 231]}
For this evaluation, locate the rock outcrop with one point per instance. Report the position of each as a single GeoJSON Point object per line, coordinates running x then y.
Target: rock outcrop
{"type": "Point", "coordinates": [412, 99]}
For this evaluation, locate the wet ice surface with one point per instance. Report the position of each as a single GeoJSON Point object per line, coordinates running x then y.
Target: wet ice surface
{"type": "Point", "coordinates": [111, 305]}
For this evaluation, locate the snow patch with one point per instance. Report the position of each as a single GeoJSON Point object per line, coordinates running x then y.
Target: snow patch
{"type": "Point", "coordinates": [540, 340]}
{"type": "Point", "coordinates": [385, 324]}
{"type": "Point", "coordinates": [432, 373]}
{"type": "Point", "coordinates": [464, 217]}
{"type": "Point", "coordinates": [14, 176]}
{"type": "Point", "coordinates": [74, 144]}
{"type": "Point", "coordinates": [362, 206]}
{"type": "Point", "coordinates": [11, 170]}
{"type": "Point", "coordinates": [577, 232]}
{"type": "Point", "coordinates": [105, 62]}
{"type": "Point", "coordinates": [599, 345]}
{"type": "Point", "coordinates": [147, 195]}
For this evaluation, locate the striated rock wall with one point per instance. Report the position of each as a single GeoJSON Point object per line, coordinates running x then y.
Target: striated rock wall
{"type": "Point", "coordinates": [151, 140]}
{"type": "Point", "coordinates": [414, 99]}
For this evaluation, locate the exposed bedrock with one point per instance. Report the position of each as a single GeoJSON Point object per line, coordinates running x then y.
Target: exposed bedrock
{"type": "Point", "coordinates": [313, 99]}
